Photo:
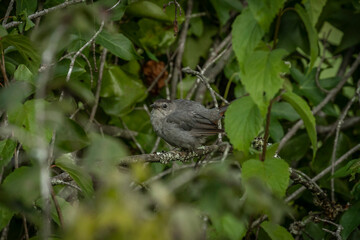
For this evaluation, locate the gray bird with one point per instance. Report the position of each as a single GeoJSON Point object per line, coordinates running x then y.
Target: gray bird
{"type": "Point", "coordinates": [184, 123]}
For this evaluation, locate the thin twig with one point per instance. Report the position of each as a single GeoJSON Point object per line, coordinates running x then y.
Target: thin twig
{"type": "Point", "coordinates": [7, 14]}
{"type": "Point", "coordinates": [156, 145]}
{"type": "Point", "coordinates": [328, 97]}
{"type": "Point", "coordinates": [348, 123]}
{"type": "Point", "coordinates": [25, 227]}
{"type": "Point", "coordinates": [211, 60]}
{"type": "Point", "coordinates": [338, 231]}
{"type": "Point", "coordinates": [323, 172]}
{"type": "Point", "coordinates": [43, 12]}
{"type": "Point", "coordinates": [82, 49]}
{"type": "Point", "coordinates": [16, 156]}
{"type": "Point", "coordinates": [174, 155]}
{"type": "Point", "coordinates": [115, 5]}
{"type": "Point", "coordinates": [134, 139]}
{"type": "Point", "coordinates": [267, 130]}
{"type": "Point", "coordinates": [337, 134]}
{"type": "Point", "coordinates": [62, 182]}
{"type": "Point", "coordinates": [3, 70]}
{"type": "Point", "coordinates": [57, 207]}
{"type": "Point", "coordinates": [4, 233]}
{"type": "Point", "coordinates": [182, 39]}
{"type": "Point", "coordinates": [98, 88]}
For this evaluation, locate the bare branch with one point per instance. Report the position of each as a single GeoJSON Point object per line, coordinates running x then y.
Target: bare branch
{"type": "Point", "coordinates": [166, 157]}
{"type": "Point", "coordinates": [179, 56]}
{"type": "Point", "coordinates": [98, 88]}
{"type": "Point", "coordinates": [337, 134]}
{"type": "Point", "coordinates": [324, 172]}
{"type": "Point", "coordinates": [327, 99]}
{"type": "Point", "coordinates": [10, 7]}
{"type": "Point", "coordinates": [44, 12]}
{"type": "Point", "coordinates": [82, 49]}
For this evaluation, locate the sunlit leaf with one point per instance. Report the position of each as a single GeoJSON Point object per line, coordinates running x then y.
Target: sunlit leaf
{"type": "Point", "coordinates": [243, 122]}
{"type": "Point", "coordinates": [246, 35]}
{"type": "Point", "coordinates": [264, 11]}
{"type": "Point", "coordinates": [303, 109]}
{"type": "Point", "coordinates": [262, 75]}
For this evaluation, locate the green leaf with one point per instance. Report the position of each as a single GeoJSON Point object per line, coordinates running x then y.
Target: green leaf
{"type": "Point", "coordinates": [104, 154]}
{"type": "Point", "coordinates": [5, 216]}
{"type": "Point", "coordinates": [264, 11]}
{"type": "Point", "coordinates": [25, 47]}
{"type": "Point", "coordinates": [22, 73]}
{"type": "Point", "coordinates": [25, 116]}
{"type": "Point", "coordinates": [118, 45]}
{"type": "Point", "coordinates": [307, 87]}
{"type": "Point", "coordinates": [26, 5]}
{"type": "Point", "coordinates": [74, 138]}
{"type": "Point", "coordinates": [3, 31]}
{"type": "Point", "coordinates": [118, 12]}
{"type": "Point", "coordinates": [14, 94]}
{"type": "Point", "coordinates": [120, 91]}
{"type": "Point", "coordinates": [147, 9]}
{"type": "Point", "coordinates": [195, 48]}
{"type": "Point", "coordinates": [274, 172]}
{"type": "Point", "coordinates": [7, 149]}
{"type": "Point", "coordinates": [303, 109]}
{"type": "Point", "coordinates": [314, 8]}
{"type": "Point", "coordinates": [350, 220]}
{"type": "Point", "coordinates": [275, 231]}
{"type": "Point", "coordinates": [233, 227]}
{"type": "Point", "coordinates": [312, 34]}
{"type": "Point", "coordinates": [283, 110]}
{"type": "Point", "coordinates": [276, 130]}
{"type": "Point", "coordinates": [243, 122]}
{"type": "Point", "coordinates": [352, 167]}
{"type": "Point", "coordinates": [262, 75]}
{"type": "Point", "coordinates": [23, 185]}
{"type": "Point", "coordinates": [80, 176]}
{"type": "Point", "coordinates": [246, 35]}
{"type": "Point", "coordinates": [64, 207]}
{"type": "Point", "coordinates": [292, 34]}
{"type": "Point", "coordinates": [295, 148]}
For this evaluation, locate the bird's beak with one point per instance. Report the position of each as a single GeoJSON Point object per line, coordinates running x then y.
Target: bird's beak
{"type": "Point", "coordinates": [153, 106]}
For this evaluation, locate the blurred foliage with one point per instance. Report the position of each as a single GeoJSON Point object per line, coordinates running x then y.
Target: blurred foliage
{"type": "Point", "coordinates": [67, 123]}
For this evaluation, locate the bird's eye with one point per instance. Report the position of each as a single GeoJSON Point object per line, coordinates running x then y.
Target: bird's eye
{"type": "Point", "coordinates": [164, 106]}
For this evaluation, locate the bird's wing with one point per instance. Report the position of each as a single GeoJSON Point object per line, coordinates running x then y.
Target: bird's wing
{"type": "Point", "coordinates": [197, 123]}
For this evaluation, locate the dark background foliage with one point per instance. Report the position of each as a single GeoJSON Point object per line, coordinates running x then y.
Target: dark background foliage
{"type": "Point", "coordinates": [79, 158]}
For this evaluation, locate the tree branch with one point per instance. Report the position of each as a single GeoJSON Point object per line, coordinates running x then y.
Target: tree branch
{"type": "Point", "coordinates": [327, 99]}
{"type": "Point", "coordinates": [175, 155]}
{"type": "Point", "coordinates": [44, 12]}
